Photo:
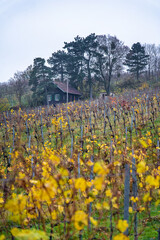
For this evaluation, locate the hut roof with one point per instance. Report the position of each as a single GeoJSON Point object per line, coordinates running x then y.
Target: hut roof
{"type": "Point", "coordinates": [63, 87]}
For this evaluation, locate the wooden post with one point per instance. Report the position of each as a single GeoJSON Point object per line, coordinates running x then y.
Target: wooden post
{"type": "Point", "coordinates": [90, 205]}
{"type": "Point", "coordinates": [71, 146]}
{"type": "Point", "coordinates": [159, 234]}
{"type": "Point", "coordinates": [42, 131]}
{"type": "Point", "coordinates": [126, 191]}
{"type": "Point", "coordinates": [158, 163]}
{"type": "Point", "coordinates": [79, 170]}
{"type": "Point", "coordinates": [134, 187]}
{"type": "Point", "coordinates": [13, 136]}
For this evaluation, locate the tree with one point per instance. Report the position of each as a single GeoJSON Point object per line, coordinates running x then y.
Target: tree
{"type": "Point", "coordinates": [110, 57]}
{"type": "Point", "coordinates": [155, 61]}
{"type": "Point", "coordinates": [76, 64]}
{"type": "Point", "coordinates": [83, 50]}
{"type": "Point", "coordinates": [3, 89]}
{"type": "Point", "coordinates": [19, 84]}
{"type": "Point", "coordinates": [136, 59]}
{"type": "Point", "coordinates": [4, 104]}
{"type": "Point", "coordinates": [149, 48]}
{"type": "Point", "coordinates": [76, 71]}
{"type": "Point", "coordinates": [40, 81]}
{"type": "Point", "coordinates": [58, 63]}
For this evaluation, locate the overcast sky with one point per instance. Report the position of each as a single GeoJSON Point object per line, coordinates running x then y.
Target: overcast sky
{"type": "Point", "coordinates": [37, 28]}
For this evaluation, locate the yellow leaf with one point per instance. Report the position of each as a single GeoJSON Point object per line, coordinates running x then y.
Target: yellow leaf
{"type": "Point", "coordinates": [89, 200]}
{"type": "Point", "coordinates": [25, 234]}
{"type": "Point", "coordinates": [53, 215]}
{"type": "Point", "coordinates": [152, 182]}
{"type": "Point", "coordinates": [98, 183]}
{"type": "Point", "coordinates": [134, 199]}
{"type": "Point", "coordinates": [100, 168]}
{"type": "Point", "coordinates": [2, 237]}
{"type": "Point", "coordinates": [80, 183]}
{"type": "Point", "coordinates": [106, 205]}
{"type": "Point", "coordinates": [143, 143]}
{"type": "Point", "coordinates": [90, 163]}
{"type": "Point", "coordinates": [149, 142]}
{"type": "Point", "coordinates": [108, 193]}
{"type": "Point", "coordinates": [141, 167]}
{"type": "Point", "coordinates": [98, 206]}
{"type": "Point", "coordinates": [122, 225]}
{"type": "Point", "coordinates": [147, 197]}
{"type": "Point", "coordinates": [121, 236]}
{"type": "Point", "coordinates": [93, 221]}
{"type": "Point", "coordinates": [130, 210]}
{"type": "Point", "coordinates": [80, 220]}
{"type": "Point", "coordinates": [115, 205]}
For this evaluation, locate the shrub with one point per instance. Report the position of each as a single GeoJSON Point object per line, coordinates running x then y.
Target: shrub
{"type": "Point", "coordinates": [4, 104]}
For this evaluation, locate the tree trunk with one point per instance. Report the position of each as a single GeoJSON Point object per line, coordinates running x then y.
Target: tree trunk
{"type": "Point", "coordinates": [108, 88]}
{"type": "Point", "coordinates": [105, 85]}
{"type": "Point", "coordinates": [137, 75]}
{"type": "Point", "coordinates": [109, 81]}
{"type": "Point", "coordinates": [149, 72]}
{"type": "Point", "coordinates": [62, 77]}
{"type": "Point", "coordinates": [20, 100]}
{"type": "Point", "coordinates": [89, 80]}
{"type": "Point", "coordinates": [46, 95]}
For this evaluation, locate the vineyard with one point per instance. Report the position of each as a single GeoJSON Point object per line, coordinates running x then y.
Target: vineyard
{"type": "Point", "coordinates": [86, 170]}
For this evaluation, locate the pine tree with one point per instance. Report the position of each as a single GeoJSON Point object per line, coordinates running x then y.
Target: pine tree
{"type": "Point", "coordinates": [136, 59]}
{"type": "Point", "coordinates": [58, 63]}
{"type": "Point", "coordinates": [76, 64]}
{"type": "Point", "coordinates": [82, 52]}
{"type": "Point", "coordinates": [40, 81]}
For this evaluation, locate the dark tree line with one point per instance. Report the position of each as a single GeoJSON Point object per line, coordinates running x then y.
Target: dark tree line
{"type": "Point", "coordinates": [89, 63]}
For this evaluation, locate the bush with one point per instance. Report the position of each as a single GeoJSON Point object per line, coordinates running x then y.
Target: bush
{"type": "Point", "coordinates": [4, 104]}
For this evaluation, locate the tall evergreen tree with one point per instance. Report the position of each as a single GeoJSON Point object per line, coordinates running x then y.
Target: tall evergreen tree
{"type": "Point", "coordinates": [83, 52]}
{"type": "Point", "coordinates": [75, 64]}
{"type": "Point", "coordinates": [58, 63]}
{"type": "Point", "coordinates": [40, 80]}
{"type": "Point", "coordinates": [136, 59]}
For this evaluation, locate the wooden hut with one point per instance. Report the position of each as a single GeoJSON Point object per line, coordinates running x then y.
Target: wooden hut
{"type": "Point", "coordinates": [59, 94]}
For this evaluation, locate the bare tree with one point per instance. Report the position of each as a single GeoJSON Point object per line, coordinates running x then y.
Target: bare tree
{"type": "Point", "coordinates": [19, 84]}
{"type": "Point", "coordinates": [153, 67]}
{"type": "Point", "coordinates": [110, 58]}
{"type": "Point", "coordinates": [3, 89]}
